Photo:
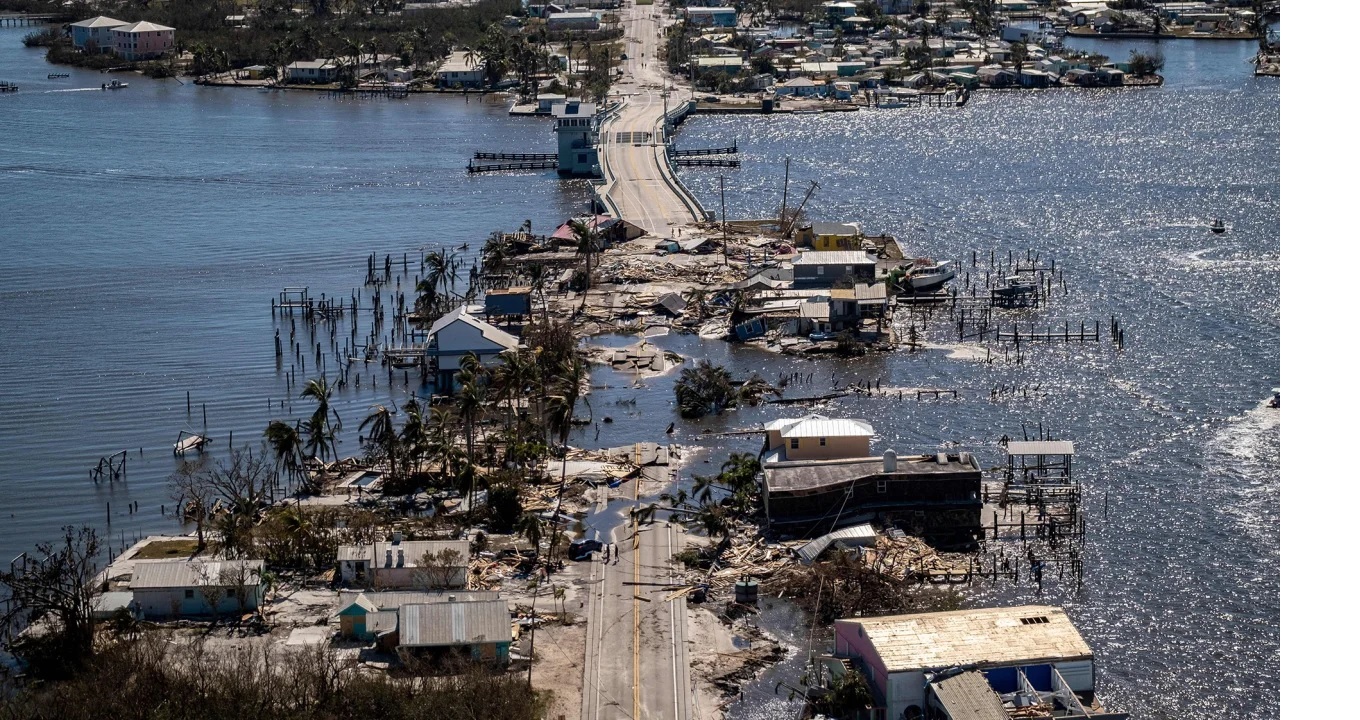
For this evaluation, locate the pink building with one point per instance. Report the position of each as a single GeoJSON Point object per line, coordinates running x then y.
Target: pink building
{"type": "Point", "coordinates": [143, 41]}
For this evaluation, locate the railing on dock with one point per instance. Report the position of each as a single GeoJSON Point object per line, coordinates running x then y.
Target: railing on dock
{"type": "Point", "coordinates": [514, 156]}
{"type": "Point", "coordinates": [474, 168]}
{"type": "Point", "coordinates": [705, 162]}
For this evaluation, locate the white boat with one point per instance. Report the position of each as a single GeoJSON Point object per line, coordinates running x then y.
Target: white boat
{"type": "Point", "coordinates": [115, 85]}
{"type": "Point", "coordinates": [891, 104]}
{"type": "Point", "coordinates": [925, 275]}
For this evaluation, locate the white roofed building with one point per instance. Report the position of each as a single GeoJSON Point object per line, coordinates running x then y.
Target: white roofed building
{"type": "Point", "coordinates": [405, 564]}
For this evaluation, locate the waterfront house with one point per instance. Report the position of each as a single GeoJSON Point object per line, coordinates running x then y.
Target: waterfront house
{"type": "Point", "coordinates": [405, 564]}
{"type": "Point", "coordinates": [460, 70]}
{"type": "Point", "coordinates": [814, 463]}
{"type": "Point", "coordinates": [143, 41]}
{"type": "Point", "coordinates": [312, 71]}
{"type": "Point", "coordinates": [577, 127]}
{"type": "Point", "coordinates": [1110, 76]}
{"type": "Point", "coordinates": [1030, 78]}
{"type": "Point", "coordinates": [728, 65]}
{"type": "Point", "coordinates": [823, 269]}
{"type": "Point", "coordinates": [801, 87]}
{"type": "Point", "coordinates": [825, 236]}
{"type": "Point", "coordinates": [997, 77]}
{"type": "Point", "coordinates": [711, 16]}
{"type": "Point", "coordinates": [365, 614]}
{"type": "Point", "coordinates": [458, 334]}
{"type": "Point", "coordinates": [95, 35]}
{"type": "Point", "coordinates": [564, 21]}
{"type": "Point", "coordinates": [478, 630]}
{"type": "Point", "coordinates": [186, 587]}
{"type": "Point", "coordinates": [984, 664]}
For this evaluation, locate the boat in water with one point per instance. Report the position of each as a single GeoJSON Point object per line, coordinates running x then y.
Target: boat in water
{"type": "Point", "coordinates": [1217, 227]}
{"type": "Point", "coordinates": [114, 85]}
{"type": "Point", "coordinates": [925, 275]}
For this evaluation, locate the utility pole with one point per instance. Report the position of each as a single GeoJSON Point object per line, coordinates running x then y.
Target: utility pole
{"type": "Point", "coordinates": [722, 194]}
{"type": "Point", "coordinates": [784, 206]}
{"type": "Point", "coordinates": [811, 189]}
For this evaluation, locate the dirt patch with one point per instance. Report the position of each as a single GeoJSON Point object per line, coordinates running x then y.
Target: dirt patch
{"type": "Point", "coordinates": [724, 655]}
{"type": "Point", "coordinates": [164, 549]}
{"type": "Point", "coordinates": [559, 655]}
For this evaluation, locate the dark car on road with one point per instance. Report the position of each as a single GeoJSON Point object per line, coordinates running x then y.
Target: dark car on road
{"type": "Point", "coordinates": [582, 549]}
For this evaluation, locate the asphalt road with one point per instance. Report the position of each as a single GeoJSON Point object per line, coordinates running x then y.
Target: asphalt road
{"type": "Point", "coordinates": [637, 662]}
{"type": "Point", "coordinates": [633, 151]}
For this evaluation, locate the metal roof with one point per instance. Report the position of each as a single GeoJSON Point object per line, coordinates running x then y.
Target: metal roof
{"type": "Point", "coordinates": [144, 26]}
{"type": "Point", "coordinates": [182, 573]}
{"type": "Point", "coordinates": [411, 551]}
{"type": "Point", "coordinates": [967, 696]}
{"type": "Point", "coordinates": [820, 426]}
{"type": "Point", "coordinates": [98, 22]}
{"type": "Point", "coordinates": [834, 257]}
{"type": "Point", "coordinates": [855, 535]}
{"type": "Point", "coordinates": [488, 331]}
{"type": "Point", "coordinates": [1040, 447]}
{"type": "Point", "coordinates": [376, 601]}
{"type": "Point", "coordinates": [988, 637]}
{"type": "Point", "coordinates": [444, 624]}
{"type": "Point", "coordinates": [381, 621]}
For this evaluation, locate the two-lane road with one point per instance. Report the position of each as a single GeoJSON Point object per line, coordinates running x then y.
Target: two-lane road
{"type": "Point", "coordinates": [632, 146]}
{"type": "Point", "coordinates": [637, 661]}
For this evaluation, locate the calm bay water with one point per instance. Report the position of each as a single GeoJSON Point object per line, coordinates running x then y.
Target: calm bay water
{"type": "Point", "coordinates": [145, 230]}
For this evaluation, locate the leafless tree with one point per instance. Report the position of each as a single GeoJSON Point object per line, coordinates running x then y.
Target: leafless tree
{"type": "Point", "coordinates": [57, 585]}
{"type": "Point", "coordinates": [441, 570]}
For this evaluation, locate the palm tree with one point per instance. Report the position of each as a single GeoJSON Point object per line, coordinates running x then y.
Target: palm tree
{"type": "Point", "coordinates": [412, 437]}
{"type": "Point", "coordinates": [468, 401]}
{"type": "Point", "coordinates": [705, 389]}
{"type": "Point", "coordinates": [320, 433]}
{"type": "Point", "coordinates": [561, 410]}
{"type": "Point", "coordinates": [587, 243]}
{"type": "Point", "coordinates": [754, 390]}
{"type": "Point", "coordinates": [437, 269]}
{"type": "Point", "coordinates": [530, 527]}
{"type": "Point", "coordinates": [382, 434]}
{"type": "Point", "coordinates": [286, 442]}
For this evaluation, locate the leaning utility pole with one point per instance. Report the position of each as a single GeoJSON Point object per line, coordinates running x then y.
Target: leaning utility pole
{"type": "Point", "coordinates": [811, 189]}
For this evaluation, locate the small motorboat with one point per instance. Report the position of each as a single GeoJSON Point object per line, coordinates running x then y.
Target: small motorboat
{"type": "Point", "coordinates": [114, 85]}
{"type": "Point", "coordinates": [1217, 227]}
{"type": "Point", "coordinates": [1275, 400]}
{"type": "Point", "coordinates": [925, 275]}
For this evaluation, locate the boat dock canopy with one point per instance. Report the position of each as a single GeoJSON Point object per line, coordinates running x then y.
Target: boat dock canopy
{"type": "Point", "coordinates": [1041, 447]}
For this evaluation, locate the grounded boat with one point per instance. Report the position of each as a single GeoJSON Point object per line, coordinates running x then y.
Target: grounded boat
{"type": "Point", "coordinates": [925, 275]}
{"type": "Point", "coordinates": [1217, 227]}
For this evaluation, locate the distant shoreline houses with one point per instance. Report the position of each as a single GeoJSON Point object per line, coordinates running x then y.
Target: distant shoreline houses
{"type": "Point", "coordinates": [131, 41]}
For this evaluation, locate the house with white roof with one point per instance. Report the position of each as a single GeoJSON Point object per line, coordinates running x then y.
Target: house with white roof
{"type": "Point", "coordinates": [320, 71]}
{"type": "Point", "coordinates": [461, 70]}
{"type": "Point", "coordinates": [95, 34]}
{"type": "Point", "coordinates": [984, 664]}
{"type": "Point", "coordinates": [143, 41]}
{"type": "Point", "coordinates": [185, 587]}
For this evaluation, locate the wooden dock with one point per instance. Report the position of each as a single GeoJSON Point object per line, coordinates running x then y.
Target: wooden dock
{"type": "Point", "coordinates": [705, 162]}
{"type": "Point", "coordinates": [474, 168]}
{"type": "Point", "coordinates": [514, 156]}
